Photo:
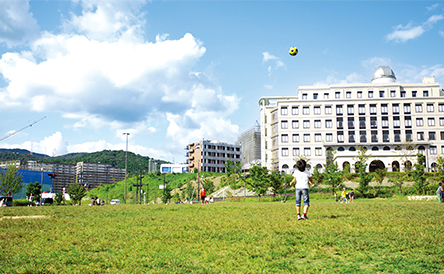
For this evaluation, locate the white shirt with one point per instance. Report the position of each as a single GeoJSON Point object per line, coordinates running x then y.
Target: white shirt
{"type": "Point", "coordinates": [301, 178]}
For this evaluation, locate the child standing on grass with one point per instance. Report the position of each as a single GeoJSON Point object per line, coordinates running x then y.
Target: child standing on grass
{"type": "Point", "coordinates": [351, 195]}
{"type": "Point", "coordinates": [344, 196]}
{"type": "Point", "coordinates": [302, 177]}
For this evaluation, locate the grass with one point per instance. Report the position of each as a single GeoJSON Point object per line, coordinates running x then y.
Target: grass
{"type": "Point", "coordinates": [369, 236]}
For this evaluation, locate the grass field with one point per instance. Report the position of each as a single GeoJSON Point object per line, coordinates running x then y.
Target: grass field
{"type": "Point", "coordinates": [369, 236]}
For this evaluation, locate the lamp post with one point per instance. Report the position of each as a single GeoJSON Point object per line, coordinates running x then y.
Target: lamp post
{"type": "Point", "coordinates": [126, 165]}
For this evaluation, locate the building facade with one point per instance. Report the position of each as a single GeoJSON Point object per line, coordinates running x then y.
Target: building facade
{"type": "Point", "coordinates": [250, 142]}
{"type": "Point", "coordinates": [393, 121]}
{"type": "Point", "coordinates": [211, 156]}
{"type": "Point", "coordinates": [173, 168]}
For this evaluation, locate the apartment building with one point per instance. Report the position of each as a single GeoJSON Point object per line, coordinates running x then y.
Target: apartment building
{"type": "Point", "coordinates": [393, 121]}
{"type": "Point", "coordinates": [250, 142]}
{"type": "Point", "coordinates": [211, 156]}
{"type": "Point", "coordinates": [96, 174]}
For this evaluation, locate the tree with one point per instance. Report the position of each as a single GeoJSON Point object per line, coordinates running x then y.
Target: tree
{"type": "Point", "coordinates": [406, 151]}
{"type": "Point", "coordinates": [440, 169]}
{"type": "Point", "coordinates": [378, 177]}
{"type": "Point", "coordinates": [208, 185]}
{"type": "Point", "coordinates": [34, 188]}
{"type": "Point", "coordinates": [10, 181]}
{"type": "Point", "coordinates": [233, 167]}
{"type": "Point", "coordinates": [332, 175]}
{"type": "Point", "coordinates": [189, 190]}
{"type": "Point", "coordinates": [59, 198]}
{"type": "Point", "coordinates": [166, 194]}
{"type": "Point", "coordinates": [76, 192]}
{"type": "Point", "coordinates": [275, 181]}
{"type": "Point", "coordinates": [397, 178]}
{"type": "Point", "coordinates": [419, 174]}
{"type": "Point", "coordinates": [317, 177]}
{"type": "Point", "coordinates": [361, 165]}
{"type": "Point", "coordinates": [258, 180]}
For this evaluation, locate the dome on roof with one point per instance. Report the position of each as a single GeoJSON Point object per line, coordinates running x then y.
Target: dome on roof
{"type": "Point", "coordinates": [384, 74]}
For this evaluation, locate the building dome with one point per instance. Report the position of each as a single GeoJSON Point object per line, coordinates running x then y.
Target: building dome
{"type": "Point", "coordinates": [384, 74]}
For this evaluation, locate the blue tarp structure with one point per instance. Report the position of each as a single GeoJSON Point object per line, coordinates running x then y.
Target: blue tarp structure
{"type": "Point", "coordinates": [31, 176]}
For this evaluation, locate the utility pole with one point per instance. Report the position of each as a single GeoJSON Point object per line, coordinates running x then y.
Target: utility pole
{"type": "Point", "coordinates": [126, 165]}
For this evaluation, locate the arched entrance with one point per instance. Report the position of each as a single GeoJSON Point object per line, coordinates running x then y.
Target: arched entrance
{"type": "Point", "coordinates": [395, 166]}
{"type": "Point", "coordinates": [407, 165]}
{"type": "Point", "coordinates": [376, 164]}
{"type": "Point", "coordinates": [346, 167]}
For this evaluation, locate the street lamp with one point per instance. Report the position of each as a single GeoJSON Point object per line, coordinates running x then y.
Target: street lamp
{"type": "Point", "coordinates": [126, 164]}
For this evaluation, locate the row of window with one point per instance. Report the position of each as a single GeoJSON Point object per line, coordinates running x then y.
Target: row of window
{"type": "Point", "coordinates": [420, 136]}
{"type": "Point", "coordinates": [384, 109]}
{"type": "Point", "coordinates": [318, 150]}
{"type": "Point", "coordinates": [362, 122]}
{"type": "Point", "coordinates": [370, 94]}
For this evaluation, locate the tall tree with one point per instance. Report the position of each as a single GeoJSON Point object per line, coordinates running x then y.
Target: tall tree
{"type": "Point", "coordinates": [258, 180]}
{"type": "Point", "coordinates": [275, 181]}
{"type": "Point", "coordinates": [332, 175]}
{"type": "Point", "coordinates": [10, 180]}
{"type": "Point", "coordinates": [379, 176]}
{"type": "Point", "coordinates": [76, 192]}
{"type": "Point", "coordinates": [361, 164]}
{"type": "Point", "coordinates": [34, 188]}
{"type": "Point", "coordinates": [419, 174]}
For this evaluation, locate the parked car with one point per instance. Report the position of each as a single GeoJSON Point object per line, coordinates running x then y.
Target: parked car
{"type": "Point", "coordinates": [115, 202]}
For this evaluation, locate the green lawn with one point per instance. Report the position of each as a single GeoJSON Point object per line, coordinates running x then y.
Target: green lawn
{"type": "Point", "coordinates": [369, 236]}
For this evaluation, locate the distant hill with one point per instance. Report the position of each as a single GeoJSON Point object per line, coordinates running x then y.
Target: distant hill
{"type": "Point", "coordinates": [115, 158]}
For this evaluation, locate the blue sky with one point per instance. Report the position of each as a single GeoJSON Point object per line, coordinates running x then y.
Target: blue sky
{"type": "Point", "coordinates": [174, 72]}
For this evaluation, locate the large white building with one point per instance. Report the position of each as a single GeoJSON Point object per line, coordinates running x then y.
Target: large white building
{"type": "Point", "coordinates": [382, 116]}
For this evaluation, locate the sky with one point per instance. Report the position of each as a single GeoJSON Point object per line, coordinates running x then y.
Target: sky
{"type": "Point", "coordinates": [174, 72]}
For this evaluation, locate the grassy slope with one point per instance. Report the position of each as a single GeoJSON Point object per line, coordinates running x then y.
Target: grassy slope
{"type": "Point", "coordinates": [369, 236]}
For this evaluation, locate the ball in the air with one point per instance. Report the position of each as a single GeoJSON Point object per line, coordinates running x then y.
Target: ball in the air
{"type": "Point", "coordinates": [293, 51]}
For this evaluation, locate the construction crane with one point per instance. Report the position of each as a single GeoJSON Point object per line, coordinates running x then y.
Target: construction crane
{"type": "Point", "coordinates": [17, 131]}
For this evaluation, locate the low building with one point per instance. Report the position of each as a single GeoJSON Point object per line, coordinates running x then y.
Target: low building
{"type": "Point", "coordinates": [173, 168]}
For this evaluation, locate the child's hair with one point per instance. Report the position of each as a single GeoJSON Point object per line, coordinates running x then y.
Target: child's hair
{"type": "Point", "coordinates": [301, 164]}
{"type": "Point", "coordinates": [440, 184]}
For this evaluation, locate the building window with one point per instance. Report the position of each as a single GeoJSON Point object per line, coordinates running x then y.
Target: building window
{"type": "Point", "coordinates": [315, 96]}
{"type": "Point", "coordinates": [304, 96]}
{"type": "Point", "coordinates": [408, 135]}
{"type": "Point", "coordinates": [295, 151]}
{"type": "Point", "coordinates": [284, 138]}
{"type": "Point", "coordinates": [295, 124]}
{"type": "Point", "coordinates": [385, 136]}
{"type": "Point", "coordinates": [373, 109]}
{"type": "Point", "coordinates": [329, 137]}
{"type": "Point", "coordinates": [370, 94]}
{"type": "Point", "coordinates": [433, 150]}
{"type": "Point", "coordinates": [351, 122]}
{"type": "Point", "coordinates": [362, 122]}
{"type": "Point", "coordinates": [407, 109]}
{"type": "Point", "coordinates": [307, 151]}
{"type": "Point", "coordinates": [361, 109]}
{"type": "Point", "coordinates": [328, 123]}
{"type": "Point", "coordinates": [418, 108]}
{"type": "Point", "coordinates": [337, 95]}
{"type": "Point", "coordinates": [441, 121]}
{"type": "Point", "coordinates": [348, 94]}
{"type": "Point", "coordinates": [318, 137]}
{"type": "Point", "coordinates": [327, 109]}
{"type": "Point", "coordinates": [350, 109]}
{"type": "Point", "coordinates": [306, 110]}
{"type": "Point", "coordinates": [419, 122]}
{"type": "Point", "coordinates": [318, 151]}
{"type": "Point", "coordinates": [284, 151]}
{"type": "Point", "coordinates": [317, 110]}
{"type": "Point", "coordinates": [284, 124]}
{"type": "Point", "coordinates": [381, 94]}
{"type": "Point", "coordinates": [295, 138]}
{"type": "Point", "coordinates": [395, 108]}
{"type": "Point", "coordinates": [432, 136]}
{"type": "Point", "coordinates": [442, 135]}
{"type": "Point", "coordinates": [306, 138]}
{"type": "Point", "coordinates": [430, 108]}
{"type": "Point", "coordinates": [414, 93]}
{"type": "Point", "coordinates": [362, 136]}
{"type": "Point", "coordinates": [317, 123]}
{"type": "Point", "coordinates": [326, 96]}
{"type": "Point", "coordinates": [295, 110]}
{"type": "Point", "coordinates": [425, 93]}
{"type": "Point", "coordinates": [373, 122]}
{"type": "Point", "coordinates": [408, 121]}
{"type": "Point", "coordinates": [385, 122]}
{"type": "Point", "coordinates": [402, 93]}
{"type": "Point", "coordinates": [397, 135]}
{"type": "Point", "coordinates": [384, 109]}
{"type": "Point", "coordinates": [374, 134]}
{"type": "Point", "coordinates": [420, 136]}
{"type": "Point", "coordinates": [392, 93]}
{"type": "Point", "coordinates": [351, 136]}
{"type": "Point", "coordinates": [431, 122]}
{"type": "Point", "coordinates": [339, 110]}
{"type": "Point", "coordinates": [284, 110]}
{"type": "Point", "coordinates": [359, 94]}
{"type": "Point", "coordinates": [340, 136]}
{"type": "Point", "coordinates": [339, 123]}
{"type": "Point", "coordinates": [306, 123]}
{"type": "Point", "coordinates": [396, 122]}
{"type": "Point", "coordinates": [441, 107]}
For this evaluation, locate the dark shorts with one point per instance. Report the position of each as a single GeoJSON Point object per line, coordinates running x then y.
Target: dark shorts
{"type": "Point", "coordinates": [202, 197]}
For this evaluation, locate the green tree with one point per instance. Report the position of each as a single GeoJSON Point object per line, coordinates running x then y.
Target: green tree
{"type": "Point", "coordinates": [419, 174]}
{"type": "Point", "coordinates": [208, 185]}
{"type": "Point", "coordinates": [166, 194]}
{"type": "Point", "coordinates": [10, 180]}
{"type": "Point", "coordinates": [58, 198]}
{"type": "Point", "coordinates": [76, 192]}
{"type": "Point", "coordinates": [397, 178]}
{"type": "Point", "coordinates": [440, 169]}
{"type": "Point", "coordinates": [258, 180]}
{"type": "Point", "coordinates": [189, 190]}
{"type": "Point", "coordinates": [34, 188]}
{"type": "Point", "coordinates": [378, 177]}
{"type": "Point", "coordinates": [317, 177]}
{"type": "Point", "coordinates": [361, 164]}
{"type": "Point", "coordinates": [275, 181]}
{"type": "Point", "coordinates": [332, 175]}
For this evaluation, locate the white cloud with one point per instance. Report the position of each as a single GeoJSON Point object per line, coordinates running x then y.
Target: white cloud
{"type": "Point", "coordinates": [375, 62]}
{"type": "Point", "coordinates": [411, 31]}
{"type": "Point", "coordinates": [331, 79]}
{"type": "Point", "coordinates": [17, 24]}
{"type": "Point", "coordinates": [412, 74]}
{"type": "Point", "coordinates": [266, 56]}
{"type": "Point", "coordinates": [441, 33]}
{"type": "Point", "coordinates": [432, 7]}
